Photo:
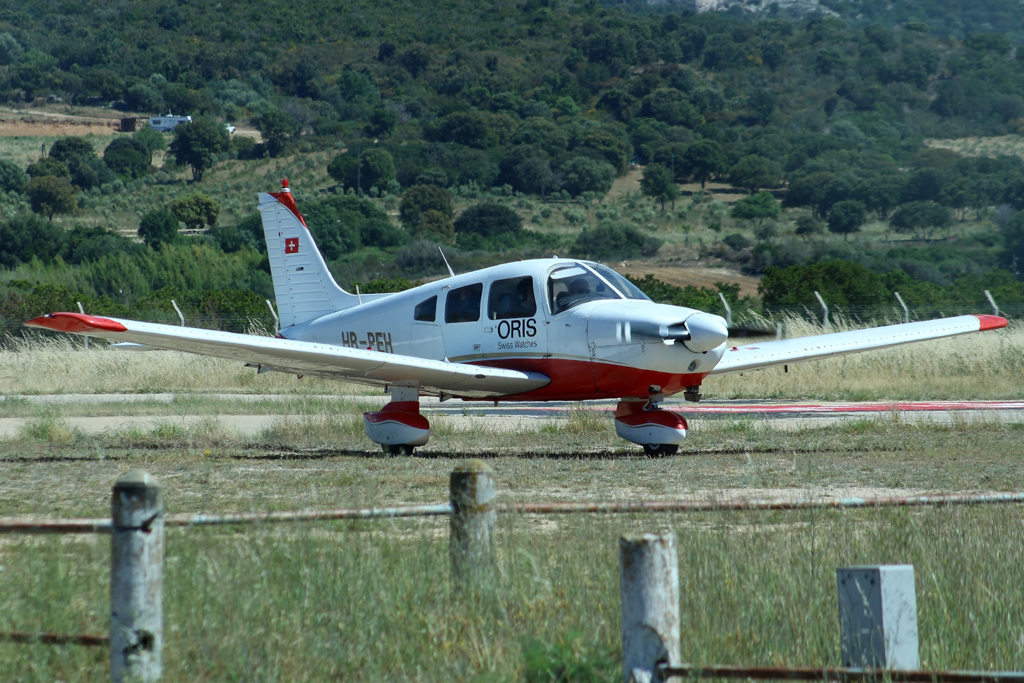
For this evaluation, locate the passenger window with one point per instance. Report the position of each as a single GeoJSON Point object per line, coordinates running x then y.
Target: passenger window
{"type": "Point", "coordinates": [512, 298]}
{"type": "Point", "coordinates": [426, 311]}
{"type": "Point", "coordinates": [463, 304]}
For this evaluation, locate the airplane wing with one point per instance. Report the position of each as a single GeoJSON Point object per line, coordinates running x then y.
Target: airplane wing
{"type": "Point", "coordinates": [309, 359]}
{"type": "Point", "coordinates": [757, 356]}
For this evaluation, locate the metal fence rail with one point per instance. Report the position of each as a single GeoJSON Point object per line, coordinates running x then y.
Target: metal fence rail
{"type": "Point", "coordinates": [54, 639]}
{"type": "Point", "coordinates": [772, 673]}
{"type": "Point", "coordinates": [35, 525]}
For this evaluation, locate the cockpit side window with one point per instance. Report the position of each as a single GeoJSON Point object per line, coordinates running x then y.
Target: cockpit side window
{"type": "Point", "coordinates": [573, 285]}
{"type": "Point", "coordinates": [463, 304]}
{"type": "Point", "coordinates": [511, 298]}
{"type": "Point", "coordinates": [426, 311]}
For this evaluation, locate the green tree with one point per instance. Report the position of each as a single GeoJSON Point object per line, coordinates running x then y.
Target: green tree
{"type": "Point", "coordinates": [657, 182]}
{"type": "Point", "coordinates": [376, 169]}
{"type": "Point", "coordinates": [12, 178]}
{"type": "Point", "coordinates": [488, 219]}
{"type": "Point", "coordinates": [840, 283]}
{"type": "Point", "coordinates": [48, 166]}
{"type": "Point", "coordinates": [846, 216]}
{"type": "Point", "coordinates": [66, 149]}
{"type": "Point", "coordinates": [150, 140]}
{"type": "Point", "coordinates": [615, 240]}
{"type": "Point", "coordinates": [343, 223]}
{"type": "Point", "coordinates": [806, 226]}
{"type": "Point", "coordinates": [10, 49]}
{"type": "Point", "coordinates": [753, 172]}
{"type": "Point", "coordinates": [26, 237]}
{"type": "Point", "coordinates": [435, 225]}
{"type": "Point", "coordinates": [275, 127]}
{"type": "Point", "coordinates": [382, 121]}
{"type": "Point", "coordinates": [416, 58]}
{"type": "Point", "coordinates": [157, 228]}
{"type": "Point", "coordinates": [757, 208]}
{"type": "Point", "coordinates": [921, 218]}
{"type": "Point", "coordinates": [703, 160]}
{"type": "Point", "coordinates": [197, 145]}
{"type": "Point", "coordinates": [195, 210]}
{"type": "Point", "coordinates": [1013, 237]}
{"type": "Point", "coordinates": [584, 174]}
{"type": "Point", "coordinates": [126, 157]}
{"type": "Point", "coordinates": [373, 167]}
{"type": "Point", "coordinates": [50, 195]}
{"type": "Point", "coordinates": [419, 199]}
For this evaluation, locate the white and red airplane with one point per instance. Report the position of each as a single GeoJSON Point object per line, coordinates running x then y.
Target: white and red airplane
{"type": "Point", "coordinates": [539, 330]}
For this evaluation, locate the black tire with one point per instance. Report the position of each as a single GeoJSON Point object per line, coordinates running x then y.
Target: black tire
{"type": "Point", "coordinates": [398, 449]}
{"type": "Point", "coordinates": [659, 450]}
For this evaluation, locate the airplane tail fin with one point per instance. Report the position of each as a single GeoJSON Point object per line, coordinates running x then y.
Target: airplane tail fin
{"type": "Point", "coordinates": [303, 285]}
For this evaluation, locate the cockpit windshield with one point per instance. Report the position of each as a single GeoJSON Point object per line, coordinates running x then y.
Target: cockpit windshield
{"type": "Point", "coordinates": [574, 284]}
{"type": "Point", "coordinates": [625, 287]}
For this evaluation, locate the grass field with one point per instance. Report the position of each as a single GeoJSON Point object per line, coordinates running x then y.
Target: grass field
{"type": "Point", "coordinates": [373, 601]}
{"type": "Point", "coordinates": [362, 601]}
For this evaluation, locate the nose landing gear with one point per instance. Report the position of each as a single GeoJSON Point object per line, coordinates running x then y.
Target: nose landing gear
{"type": "Point", "coordinates": [659, 431]}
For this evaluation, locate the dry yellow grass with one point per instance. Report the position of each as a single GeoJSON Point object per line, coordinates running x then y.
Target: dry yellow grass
{"type": "Point", "coordinates": [61, 366]}
{"type": "Point", "coordinates": [973, 146]}
{"type": "Point", "coordinates": [988, 365]}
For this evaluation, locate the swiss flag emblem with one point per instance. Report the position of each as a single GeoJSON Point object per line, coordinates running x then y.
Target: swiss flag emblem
{"type": "Point", "coordinates": [291, 245]}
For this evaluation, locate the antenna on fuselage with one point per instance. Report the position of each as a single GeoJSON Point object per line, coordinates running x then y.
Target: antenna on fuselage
{"type": "Point", "coordinates": [450, 271]}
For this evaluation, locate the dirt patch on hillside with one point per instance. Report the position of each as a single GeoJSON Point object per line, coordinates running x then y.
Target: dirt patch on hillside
{"type": "Point", "coordinates": [15, 123]}
{"type": "Point", "coordinates": [681, 276]}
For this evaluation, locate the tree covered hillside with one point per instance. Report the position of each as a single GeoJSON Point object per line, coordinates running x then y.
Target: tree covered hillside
{"type": "Point", "coordinates": [498, 129]}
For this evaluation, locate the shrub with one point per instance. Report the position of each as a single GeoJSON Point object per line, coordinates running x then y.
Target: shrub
{"type": "Point", "coordinates": [158, 228]}
{"type": "Point", "coordinates": [488, 219]}
{"type": "Point", "coordinates": [615, 240]}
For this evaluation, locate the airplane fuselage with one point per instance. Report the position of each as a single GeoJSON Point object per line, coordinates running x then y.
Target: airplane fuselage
{"type": "Point", "coordinates": [570, 320]}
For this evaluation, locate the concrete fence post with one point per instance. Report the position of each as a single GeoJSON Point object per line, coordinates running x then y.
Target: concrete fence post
{"type": "Point", "coordinates": [878, 617]}
{"type": "Point", "coordinates": [649, 581]}
{"type": "Point", "coordinates": [136, 579]}
{"type": "Point", "coordinates": [473, 521]}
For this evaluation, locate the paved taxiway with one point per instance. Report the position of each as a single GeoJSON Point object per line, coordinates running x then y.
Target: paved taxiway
{"type": "Point", "coordinates": [530, 415]}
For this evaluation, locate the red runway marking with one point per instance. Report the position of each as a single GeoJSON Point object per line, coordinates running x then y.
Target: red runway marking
{"type": "Point", "coordinates": [746, 408]}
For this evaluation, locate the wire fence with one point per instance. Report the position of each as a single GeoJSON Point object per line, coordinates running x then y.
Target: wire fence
{"type": "Point", "coordinates": [137, 551]}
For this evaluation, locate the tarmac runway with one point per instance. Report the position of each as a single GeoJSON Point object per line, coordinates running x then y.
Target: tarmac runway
{"type": "Point", "coordinates": [531, 415]}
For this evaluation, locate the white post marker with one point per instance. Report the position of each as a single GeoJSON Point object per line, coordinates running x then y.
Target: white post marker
{"type": "Point", "coordinates": [81, 309]}
{"type": "Point", "coordinates": [824, 308]}
{"type": "Point", "coordinates": [728, 310]}
{"type": "Point", "coordinates": [277, 321]}
{"type": "Point", "coordinates": [136, 579]}
{"type": "Point", "coordinates": [178, 311]}
{"type": "Point", "coordinates": [649, 582]}
{"type": "Point", "coordinates": [992, 302]}
{"type": "Point", "coordinates": [906, 311]}
{"type": "Point", "coordinates": [878, 617]}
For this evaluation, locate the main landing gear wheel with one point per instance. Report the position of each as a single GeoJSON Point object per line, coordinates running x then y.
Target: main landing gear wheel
{"type": "Point", "coordinates": [658, 450]}
{"type": "Point", "coordinates": [397, 449]}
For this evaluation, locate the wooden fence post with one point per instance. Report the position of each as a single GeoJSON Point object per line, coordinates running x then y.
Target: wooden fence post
{"type": "Point", "coordinates": [136, 579]}
{"type": "Point", "coordinates": [649, 580]}
{"type": "Point", "coordinates": [473, 520]}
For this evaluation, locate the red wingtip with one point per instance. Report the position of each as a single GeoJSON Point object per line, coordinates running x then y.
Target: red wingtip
{"type": "Point", "coordinates": [990, 322]}
{"type": "Point", "coordinates": [76, 322]}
